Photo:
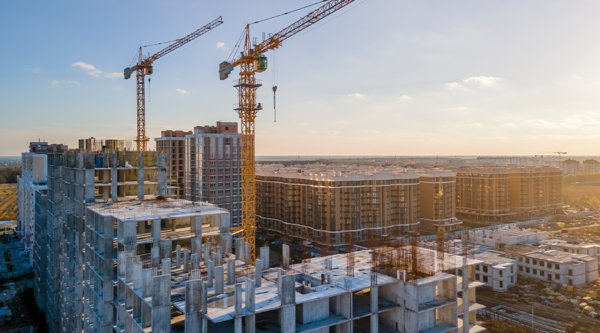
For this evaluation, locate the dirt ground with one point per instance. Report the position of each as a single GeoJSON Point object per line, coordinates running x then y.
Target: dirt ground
{"type": "Point", "coordinates": [8, 202]}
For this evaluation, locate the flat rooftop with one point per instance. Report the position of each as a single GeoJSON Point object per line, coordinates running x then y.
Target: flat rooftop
{"type": "Point", "coordinates": [335, 172]}
{"type": "Point", "coordinates": [558, 256]}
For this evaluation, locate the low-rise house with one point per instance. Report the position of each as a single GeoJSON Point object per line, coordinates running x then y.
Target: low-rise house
{"type": "Point", "coordinates": [564, 268]}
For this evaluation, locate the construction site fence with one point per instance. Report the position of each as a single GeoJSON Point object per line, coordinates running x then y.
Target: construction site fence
{"type": "Point", "coordinates": [457, 234]}
{"type": "Point", "coordinates": [507, 319]}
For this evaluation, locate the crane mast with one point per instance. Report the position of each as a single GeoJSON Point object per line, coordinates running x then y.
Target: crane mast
{"type": "Point", "coordinates": [250, 62]}
{"type": "Point", "coordinates": [144, 67]}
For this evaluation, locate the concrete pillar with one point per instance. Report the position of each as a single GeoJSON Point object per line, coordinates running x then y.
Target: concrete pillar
{"type": "Point", "coordinates": [258, 272]}
{"type": "Point", "coordinates": [166, 249]}
{"type": "Point", "coordinates": [240, 249]}
{"type": "Point", "coordinates": [218, 280]}
{"type": "Point", "coordinates": [288, 306]}
{"type": "Point", "coordinates": [374, 309]}
{"type": "Point", "coordinates": [204, 306]}
{"type": "Point", "coordinates": [161, 303]}
{"type": "Point", "coordinates": [137, 273]}
{"type": "Point", "coordinates": [210, 273]}
{"type": "Point", "coordinates": [178, 257]}
{"type": "Point", "coordinates": [198, 226]}
{"type": "Point", "coordinates": [185, 260]}
{"type": "Point", "coordinates": [264, 257]}
{"type": "Point", "coordinates": [197, 245]}
{"type": "Point", "coordinates": [114, 178]}
{"type": "Point", "coordinates": [206, 253]}
{"type": "Point", "coordinates": [247, 253]}
{"type": "Point", "coordinates": [156, 231]}
{"type": "Point", "coordinates": [237, 311]}
{"type": "Point", "coordinates": [89, 164]}
{"type": "Point", "coordinates": [193, 306]}
{"type": "Point", "coordinates": [465, 297]}
{"type": "Point", "coordinates": [105, 189]}
{"type": "Point", "coordinates": [162, 174]}
{"type": "Point", "coordinates": [227, 242]}
{"type": "Point", "coordinates": [250, 307]}
{"type": "Point", "coordinates": [155, 256]}
{"type": "Point", "coordinates": [166, 267]}
{"type": "Point", "coordinates": [231, 271]}
{"type": "Point", "coordinates": [195, 261]}
{"type": "Point", "coordinates": [219, 261]}
{"type": "Point", "coordinates": [147, 282]}
{"type": "Point", "coordinates": [285, 249]}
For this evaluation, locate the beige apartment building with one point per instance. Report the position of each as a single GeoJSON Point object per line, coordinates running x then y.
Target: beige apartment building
{"type": "Point", "coordinates": [482, 193]}
{"type": "Point", "coordinates": [336, 205]}
{"type": "Point", "coordinates": [437, 189]}
{"type": "Point", "coordinates": [535, 191]}
{"type": "Point", "coordinates": [570, 167]}
{"type": "Point", "coordinates": [591, 166]}
{"type": "Point", "coordinates": [172, 144]}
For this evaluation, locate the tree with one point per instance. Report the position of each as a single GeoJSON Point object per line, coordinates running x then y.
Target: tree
{"type": "Point", "coordinates": [2, 179]}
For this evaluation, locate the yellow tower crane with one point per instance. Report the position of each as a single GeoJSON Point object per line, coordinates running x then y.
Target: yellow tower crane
{"type": "Point", "coordinates": [253, 60]}
{"type": "Point", "coordinates": [144, 67]}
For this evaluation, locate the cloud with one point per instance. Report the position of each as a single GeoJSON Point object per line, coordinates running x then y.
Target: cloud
{"type": "Point", "coordinates": [476, 124]}
{"type": "Point", "coordinates": [509, 125]}
{"type": "Point", "coordinates": [361, 96]}
{"type": "Point", "coordinates": [54, 83]}
{"type": "Point", "coordinates": [33, 70]}
{"type": "Point", "coordinates": [182, 92]}
{"type": "Point", "coordinates": [458, 108]}
{"type": "Point", "coordinates": [323, 133]}
{"type": "Point", "coordinates": [95, 72]}
{"type": "Point", "coordinates": [483, 80]}
{"type": "Point", "coordinates": [454, 85]}
{"type": "Point", "coordinates": [370, 131]}
{"type": "Point", "coordinates": [405, 97]}
{"type": "Point", "coordinates": [221, 45]}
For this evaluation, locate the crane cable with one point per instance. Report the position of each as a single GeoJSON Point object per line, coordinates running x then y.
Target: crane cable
{"type": "Point", "coordinates": [295, 10]}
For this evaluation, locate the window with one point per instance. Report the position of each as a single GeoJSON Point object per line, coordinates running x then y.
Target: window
{"type": "Point", "coordinates": [527, 269]}
{"type": "Point", "coordinates": [477, 277]}
{"type": "Point", "coordinates": [227, 170]}
{"type": "Point", "coordinates": [212, 170]}
{"type": "Point", "coordinates": [213, 178]}
{"type": "Point", "coordinates": [212, 163]}
{"type": "Point", "coordinates": [526, 260]}
{"type": "Point", "coordinates": [213, 185]}
{"type": "Point", "coordinates": [220, 192]}
{"type": "Point", "coordinates": [220, 177]}
{"type": "Point", "coordinates": [501, 284]}
{"type": "Point", "coordinates": [549, 265]}
{"type": "Point", "coordinates": [220, 169]}
{"type": "Point", "coordinates": [556, 266]}
{"type": "Point", "coordinates": [570, 272]}
{"type": "Point", "coordinates": [549, 277]}
{"type": "Point", "coordinates": [521, 259]}
{"type": "Point", "coordinates": [485, 268]}
{"type": "Point", "coordinates": [220, 184]}
{"type": "Point", "coordinates": [541, 263]}
{"type": "Point", "coordinates": [478, 267]}
{"type": "Point", "coordinates": [512, 269]}
{"type": "Point", "coordinates": [542, 273]}
{"type": "Point", "coordinates": [570, 282]}
{"type": "Point", "coordinates": [520, 268]}
{"type": "Point", "coordinates": [535, 271]}
{"type": "Point", "coordinates": [500, 272]}
{"type": "Point", "coordinates": [212, 192]}
{"type": "Point", "coordinates": [227, 192]}
{"type": "Point", "coordinates": [566, 250]}
{"type": "Point", "coordinates": [485, 278]}
{"type": "Point", "coordinates": [512, 279]}
{"type": "Point", "coordinates": [556, 276]}
{"type": "Point", "coordinates": [534, 261]}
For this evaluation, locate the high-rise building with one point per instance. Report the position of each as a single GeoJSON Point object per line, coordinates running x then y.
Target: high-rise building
{"type": "Point", "coordinates": [482, 193]}
{"type": "Point", "coordinates": [337, 205]}
{"type": "Point", "coordinates": [104, 145]}
{"type": "Point", "coordinates": [535, 191]}
{"type": "Point", "coordinates": [591, 166]}
{"type": "Point", "coordinates": [212, 167]}
{"type": "Point", "coordinates": [437, 189]}
{"type": "Point", "coordinates": [172, 144]}
{"type": "Point", "coordinates": [570, 167]}
{"type": "Point", "coordinates": [33, 178]}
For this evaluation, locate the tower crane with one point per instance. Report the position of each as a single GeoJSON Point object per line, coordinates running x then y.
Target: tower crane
{"type": "Point", "coordinates": [560, 153]}
{"type": "Point", "coordinates": [144, 67]}
{"type": "Point", "coordinates": [251, 61]}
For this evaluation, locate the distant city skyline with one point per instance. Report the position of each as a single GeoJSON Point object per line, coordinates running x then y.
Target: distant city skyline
{"type": "Point", "coordinates": [405, 78]}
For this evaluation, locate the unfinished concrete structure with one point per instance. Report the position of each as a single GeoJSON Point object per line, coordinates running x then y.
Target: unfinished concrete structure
{"type": "Point", "coordinates": [74, 181]}
{"type": "Point", "coordinates": [33, 179]}
{"type": "Point", "coordinates": [337, 205]}
{"type": "Point", "coordinates": [437, 190]}
{"type": "Point", "coordinates": [172, 144]}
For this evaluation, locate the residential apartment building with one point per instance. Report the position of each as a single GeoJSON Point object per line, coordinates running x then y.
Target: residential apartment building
{"type": "Point", "coordinates": [535, 191]}
{"type": "Point", "coordinates": [506, 237]}
{"type": "Point", "coordinates": [104, 145]}
{"type": "Point", "coordinates": [172, 144]}
{"type": "Point", "coordinates": [33, 179]}
{"type": "Point", "coordinates": [212, 167]}
{"type": "Point", "coordinates": [482, 193]}
{"type": "Point", "coordinates": [336, 205]}
{"type": "Point", "coordinates": [437, 190]}
{"type": "Point", "coordinates": [559, 267]}
{"type": "Point", "coordinates": [570, 167]}
{"type": "Point", "coordinates": [591, 166]}
{"type": "Point", "coordinates": [497, 271]}
{"type": "Point", "coordinates": [571, 246]}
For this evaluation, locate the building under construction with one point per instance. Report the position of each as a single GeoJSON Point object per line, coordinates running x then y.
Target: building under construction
{"type": "Point", "coordinates": [336, 205]}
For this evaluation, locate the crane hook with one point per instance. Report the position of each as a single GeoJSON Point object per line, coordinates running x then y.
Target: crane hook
{"type": "Point", "coordinates": [274, 105]}
{"type": "Point", "coordinates": [149, 90]}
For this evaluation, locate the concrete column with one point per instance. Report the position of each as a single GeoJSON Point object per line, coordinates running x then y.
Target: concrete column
{"type": "Point", "coordinates": [204, 307]}
{"type": "Point", "coordinates": [156, 231]}
{"type": "Point", "coordinates": [264, 257]}
{"type": "Point", "coordinates": [288, 307]}
{"type": "Point", "coordinates": [162, 174]}
{"type": "Point", "coordinates": [226, 242]}
{"type": "Point", "coordinates": [218, 280]}
{"type": "Point", "coordinates": [219, 261]}
{"type": "Point", "coordinates": [195, 261]}
{"type": "Point", "coordinates": [198, 226]}
{"type": "Point", "coordinates": [197, 245]}
{"type": "Point", "coordinates": [89, 165]}
{"type": "Point", "coordinates": [137, 273]}
{"type": "Point", "coordinates": [166, 267]}
{"type": "Point", "coordinates": [374, 309]}
{"type": "Point", "coordinates": [161, 303]}
{"type": "Point", "coordinates": [193, 306]}
{"type": "Point", "coordinates": [285, 249]}
{"type": "Point", "coordinates": [231, 271]}
{"type": "Point", "coordinates": [238, 308]}
{"type": "Point", "coordinates": [166, 249]}
{"type": "Point", "coordinates": [185, 260]}
{"type": "Point", "coordinates": [178, 257]}
{"type": "Point", "coordinates": [206, 253]}
{"type": "Point", "coordinates": [114, 180]}
{"type": "Point", "coordinates": [465, 297]}
{"type": "Point", "coordinates": [240, 249]}
{"type": "Point", "coordinates": [210, 272]}
{"type": "Point", "coordinates": [155, 256]}
{"type": "Point", "coordinates": [147, 282]}
{"type": "Point", "coordinates": [105, 189]}
{"type": "Point", "coordinates": [258, 272]}
{"type": "Point", "coordinates": [140, 161]}
{"type": "Point", "coordinates": [173, 224]}
{"type": "Point", "coordinates": [250, 307]}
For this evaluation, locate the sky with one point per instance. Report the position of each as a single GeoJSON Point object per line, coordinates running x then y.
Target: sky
{"type": "Point", "coordinates": [380, 77]}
